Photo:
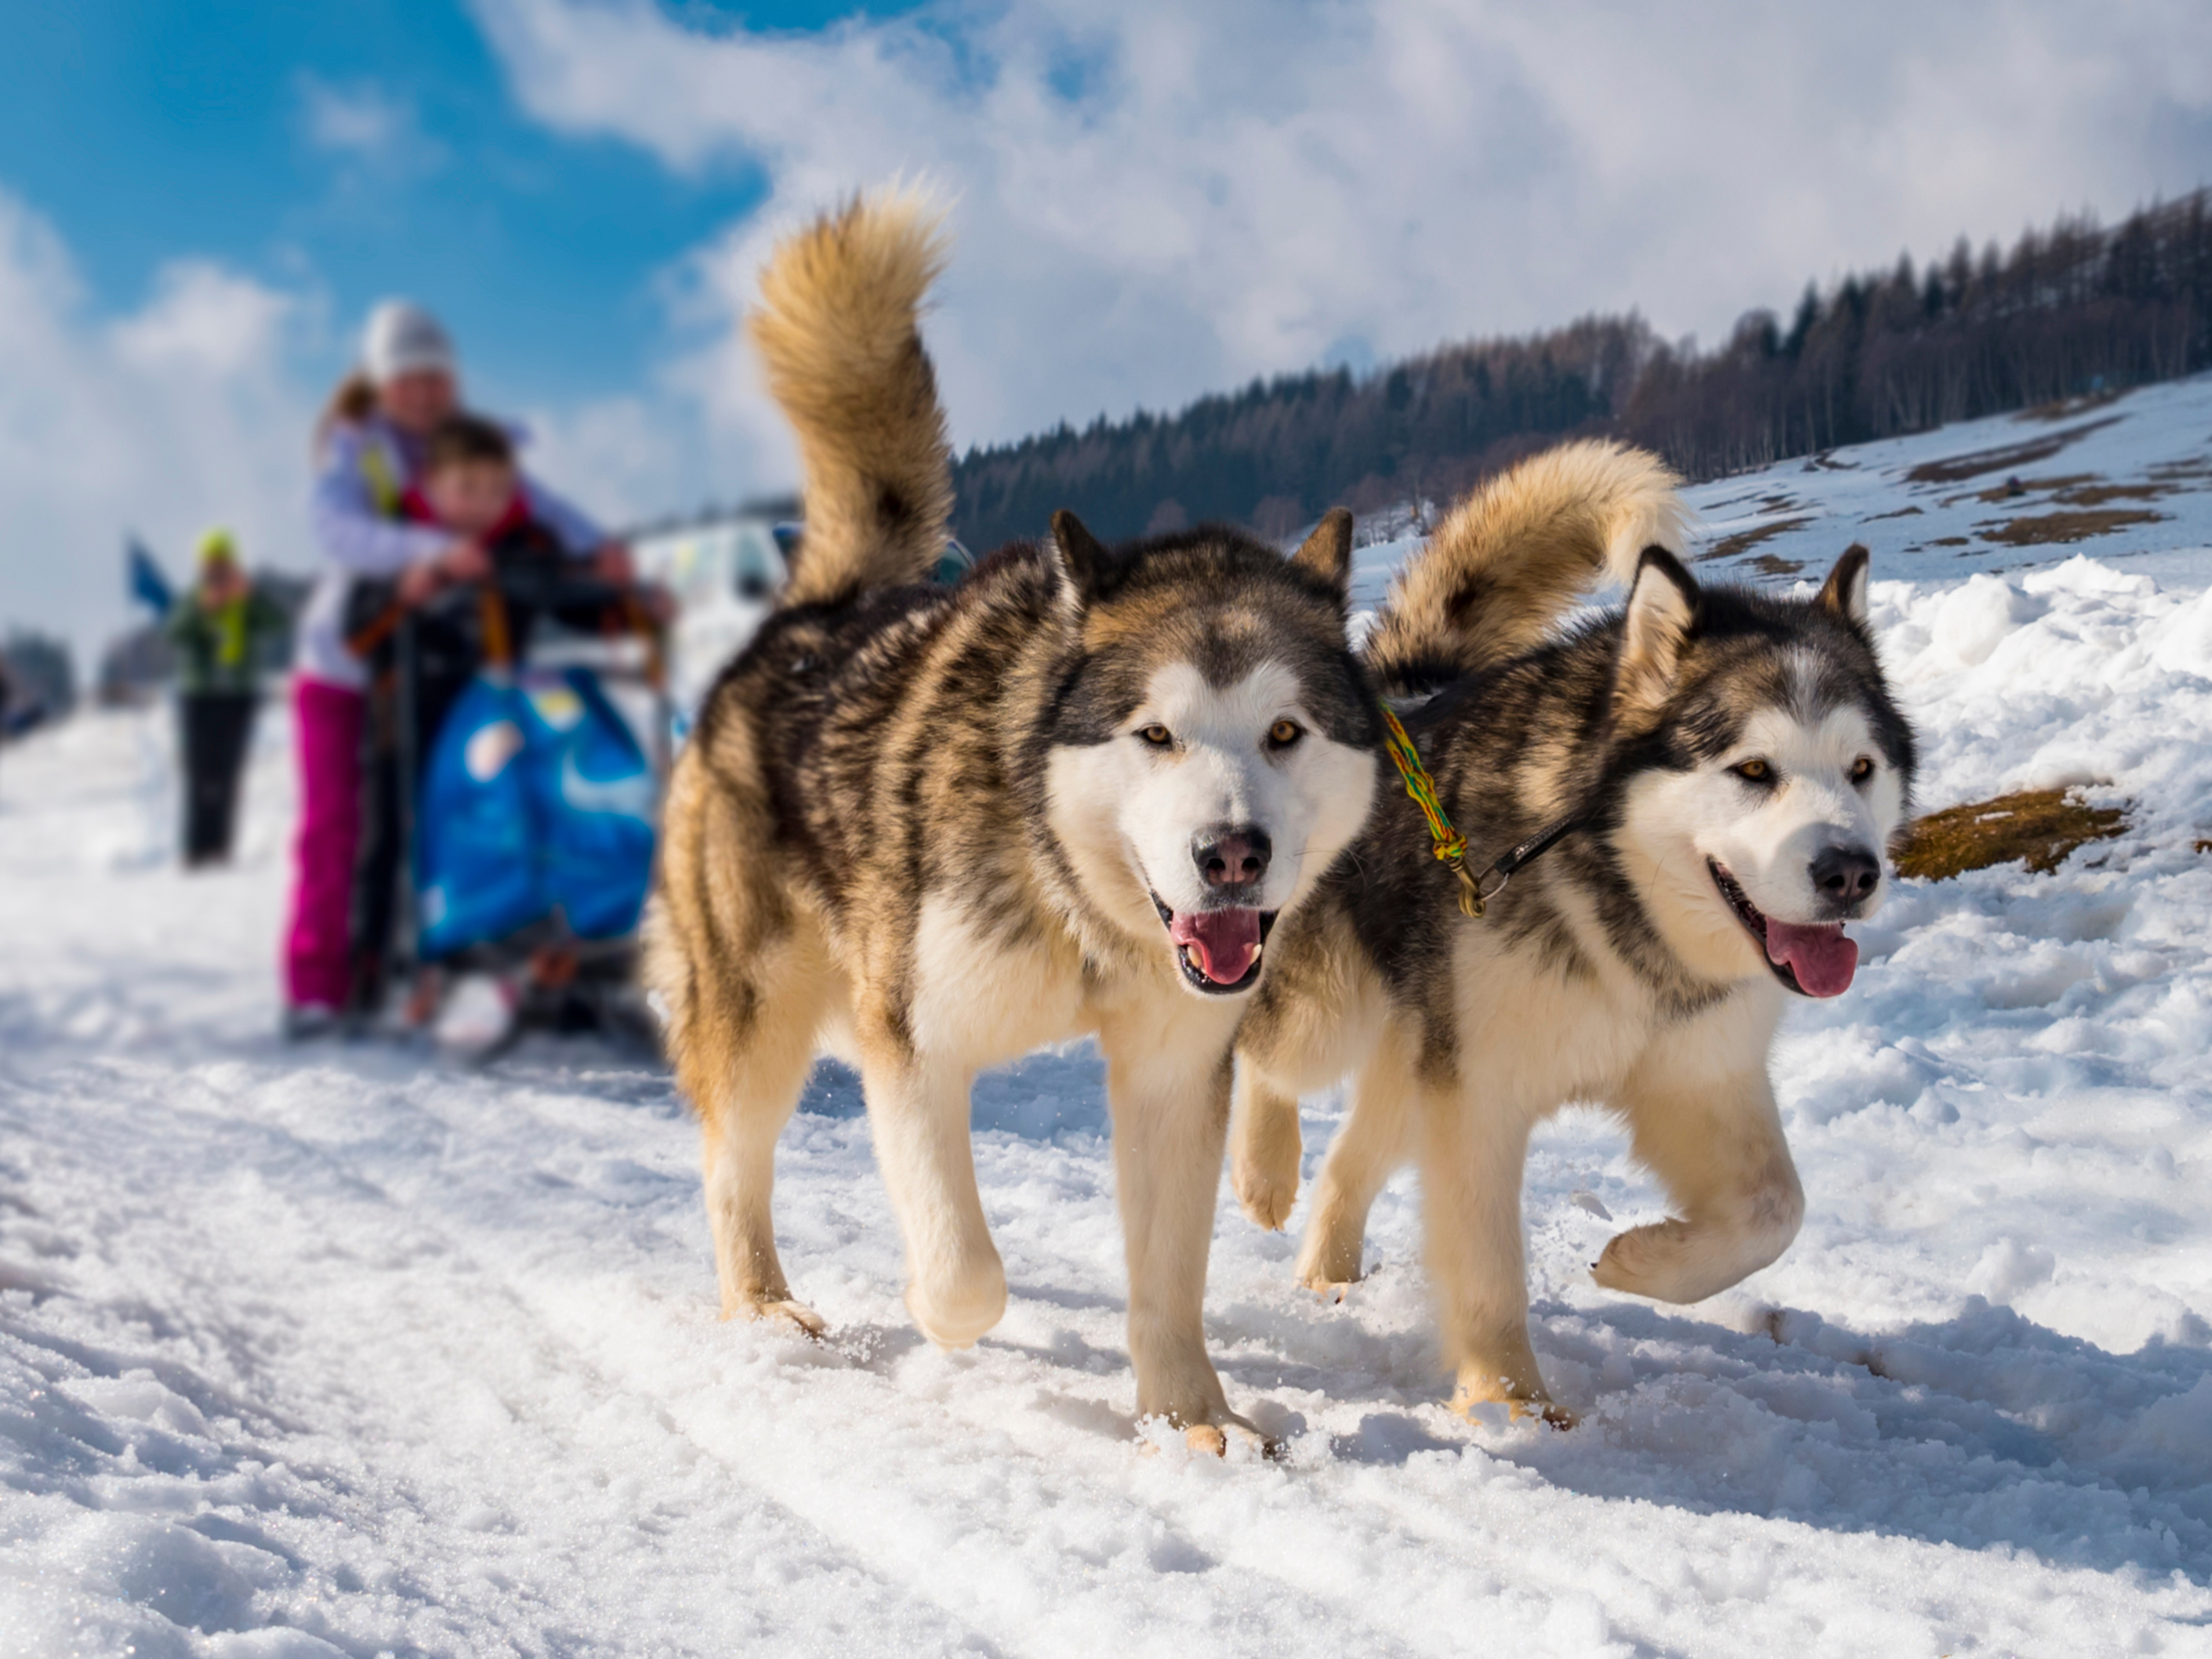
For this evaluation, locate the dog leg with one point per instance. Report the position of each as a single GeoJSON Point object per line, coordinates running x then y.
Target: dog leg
{"type": "Point", "coordinates": [744, 1103]}
{"type": "Point", "coordinates": [1168, 1084]}
{"type": "Point", "coordinates": [1471, 1158]}
{"type": "Point", "coordinates": [1373, 1142]}
{"type": "Point", "coordinates": [1715, 1142]}
{"type": "Point", "coordinates": [738, 1157]}
{"type": "Point", "coordinates": [918, 1109]}
{"type": "Point", "coordinates": [1264, 1149]}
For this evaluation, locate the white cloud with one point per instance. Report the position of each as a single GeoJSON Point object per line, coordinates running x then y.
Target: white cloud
{"type": "Point", "coordinates": [624, 459]}
{"type": "Point", "coordinates": [175, 416]}
{"type": "Point", "coordinates": [363, 120]}
{"type": "Point", "coordinates": [1157, 198]}
{"type": "Point", "coordinates": [1152, 200]}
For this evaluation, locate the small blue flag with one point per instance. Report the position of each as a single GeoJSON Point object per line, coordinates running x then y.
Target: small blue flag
{"type": "Point", "coordinates": [148, 585]}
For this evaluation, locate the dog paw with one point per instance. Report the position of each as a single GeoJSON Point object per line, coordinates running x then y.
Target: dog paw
{"type": "Point", "coordinates": [1544, 1408]}
{"type": "Point", "coordinates": [1216, 1439]}
{"type": "Point", "coordinates": [954, 1312]}
{"type": "Point", "coordinates": [1335, 1292]}
{"type": "Point", "coordinates": [1220, 1438]}
{"type": "Point", "coordinates": [1329, 1263]}
{"type": "Point", "coordinates": [1523, 1400]}
{"type": "Point", "coordinates": [797, 1315]}
{"type": "Point", "coordinates": [1265, 1195]}
{"type": "Point", "coordinates": [1642, 1260]}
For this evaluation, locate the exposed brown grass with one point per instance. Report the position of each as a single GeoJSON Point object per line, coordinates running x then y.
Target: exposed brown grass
{"type": "Point", "coordinates": [2014, 488]}
{"type": "Point", "coordinates": [2007, 457]}
{"type": "Point", "coordinates": [1901, 513]}
{"type": "Point", "coordinates": [2040, 826]}
{"type": "Point", "coordinates": [2065, 408]}
{"type": "Point", "coordinates": [2041, 529]}
{"type": "Point", "coordinates": [2097, 495]}
{"type": "Point", "coordinates": [1744, 540]}
{"type": "Point", "coordinates": [1773, 564]}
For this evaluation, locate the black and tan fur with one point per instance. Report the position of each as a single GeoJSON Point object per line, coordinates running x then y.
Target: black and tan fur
{"type": "Point", "coordinates": [1611, 970]}
{"type": "Point", "coordinates": [893, 836]}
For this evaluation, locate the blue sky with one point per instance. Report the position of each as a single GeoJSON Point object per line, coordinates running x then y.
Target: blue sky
{"type": "Point", "coordinates": [1149, 199]}
{"type": "Point", "coordinates": [363, 146]}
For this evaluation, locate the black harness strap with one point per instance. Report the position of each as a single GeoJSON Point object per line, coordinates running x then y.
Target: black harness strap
{"type": "Point", "coordinates": [1491, 881]}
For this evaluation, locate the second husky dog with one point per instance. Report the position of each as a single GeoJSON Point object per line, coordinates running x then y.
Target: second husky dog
{"type": "Point", "coordinates": [1723, 771]}
{"type": "Point", "coordinates": [930, 828]}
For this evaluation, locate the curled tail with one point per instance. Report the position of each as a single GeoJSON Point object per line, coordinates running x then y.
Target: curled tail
{"type": "Point", "coordinates": [836, 329]}
{"type": "Point", "coordinates": [1510, 559]}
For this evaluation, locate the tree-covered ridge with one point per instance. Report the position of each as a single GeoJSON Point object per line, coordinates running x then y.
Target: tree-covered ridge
{"type": "Point", "coordinates": [2065, 311]}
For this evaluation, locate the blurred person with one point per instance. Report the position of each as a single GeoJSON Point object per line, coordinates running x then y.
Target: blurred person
{"type": "Point", "coordinates": [472, 484]}
{"type": "Point", "coordinates": [469, 481]}
{"type": "Point", "coordinates": [216, 632]}
{"type": "Point", "coordinates": [370, 447]}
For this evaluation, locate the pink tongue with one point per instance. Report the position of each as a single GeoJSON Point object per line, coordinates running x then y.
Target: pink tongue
{"type": "Point", "coordinates": [1823, 958]}
{"type": "Point", "coordinates": [1226, 940]}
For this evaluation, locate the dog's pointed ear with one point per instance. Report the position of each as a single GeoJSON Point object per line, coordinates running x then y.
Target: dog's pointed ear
{"type": "Point", "coordinates": [1327, 552]}
{"type": "Point", "coordinates": [1082, 558]}
{"type": "Point", "coordinates": [1663, 614]}
{"type": "Point", "coordinates": [1844, 593]}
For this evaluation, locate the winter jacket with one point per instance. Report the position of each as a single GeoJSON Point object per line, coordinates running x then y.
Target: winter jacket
{"type": "Point", "coordinates": [364, 473]}
{"type": "Point", "coordinates": [218, 649]}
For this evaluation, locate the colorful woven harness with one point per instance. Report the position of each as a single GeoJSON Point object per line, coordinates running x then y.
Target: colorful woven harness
{"type": "Point", "coordinates": [1450, 846]}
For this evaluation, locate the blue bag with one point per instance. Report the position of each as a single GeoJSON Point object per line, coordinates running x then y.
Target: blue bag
{"type": "Point", "coordinates": [594, 791]}
{"type": "Point", "coordinates": [475, 843]}
{"type": "Point", "coordinates": [537, 798]}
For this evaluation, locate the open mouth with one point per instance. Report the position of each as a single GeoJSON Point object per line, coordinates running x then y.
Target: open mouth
{"type": "Point", "coordinates": [1814, 959]}
{"type": "Point", "coordinates": [1218, 951]}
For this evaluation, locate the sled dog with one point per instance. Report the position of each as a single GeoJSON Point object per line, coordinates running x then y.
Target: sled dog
{"type": "Point", "coordinates": [928, 829]}
{"type": "Point", "coordinates": [1718, 773]}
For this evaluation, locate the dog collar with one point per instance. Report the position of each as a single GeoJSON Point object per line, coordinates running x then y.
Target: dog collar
{"type": "Point", "coordinates": [1449, 846]}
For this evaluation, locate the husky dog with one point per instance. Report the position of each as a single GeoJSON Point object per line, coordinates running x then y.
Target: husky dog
{"type": "Point", "coordinates": [929, 829]}
{"type": "Point", "coordinates": [1727, 768]}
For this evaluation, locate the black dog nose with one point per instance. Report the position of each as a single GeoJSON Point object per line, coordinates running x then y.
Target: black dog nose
{"type": "Point", "coordinates": [1845, 875]}
{"type": "Point", "coordinates": [1235, 855]}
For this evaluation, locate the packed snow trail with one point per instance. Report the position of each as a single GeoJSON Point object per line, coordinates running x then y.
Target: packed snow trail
{"type": "Point", "coordinates": [334, 1349]}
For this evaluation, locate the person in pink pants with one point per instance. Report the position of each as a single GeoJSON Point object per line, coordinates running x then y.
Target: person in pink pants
{"type": "Point", "coordinates": [318, 958]}
{"type": "Point", "coordinates": [369, 447]}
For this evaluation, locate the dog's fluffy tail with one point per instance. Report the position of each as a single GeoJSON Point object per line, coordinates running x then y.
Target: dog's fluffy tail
{"type": "Point", "coordinates": [836, 329]}
{"type": "Point", "coordinates": [1510, 561]}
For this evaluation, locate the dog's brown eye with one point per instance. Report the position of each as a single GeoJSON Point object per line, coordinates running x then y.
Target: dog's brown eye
{"type": "Point", "coordinates": [1157, 735]}
{"type": "Point", "coordinates": [1284, 733]}
{"type": "Point", "coordinates": [1861, 769]}
{"type": "Point", "coordinates": [1754, 771]}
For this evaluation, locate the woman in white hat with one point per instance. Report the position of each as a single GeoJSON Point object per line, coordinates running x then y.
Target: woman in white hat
{"type": "Point", "coordinates": [368, 447]}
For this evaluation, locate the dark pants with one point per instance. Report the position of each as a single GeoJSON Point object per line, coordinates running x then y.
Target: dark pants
{"type": "Point", "coordinates": [442, 672]}
{"type": "Point", "coordinates": [216, 727]}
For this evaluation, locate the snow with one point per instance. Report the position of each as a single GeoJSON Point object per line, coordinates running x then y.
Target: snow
{"type": "Point", "coordinates": [336, 1350]}
{"type": "Point", "coordinates": [2143, 454]}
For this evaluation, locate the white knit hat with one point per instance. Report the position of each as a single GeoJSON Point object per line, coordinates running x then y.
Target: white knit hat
{"type": "Point", "coordinates": [401, 338]}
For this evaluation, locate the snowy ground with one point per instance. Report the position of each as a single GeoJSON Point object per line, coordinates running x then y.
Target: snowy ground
{"type": "Point", "coordinates": [2127, 480]}
{"type": "Point", "coordinates": [334, 1350]}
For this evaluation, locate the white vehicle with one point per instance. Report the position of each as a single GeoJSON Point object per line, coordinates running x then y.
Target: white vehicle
{"type": "Point", "coordinates": [724, 574]}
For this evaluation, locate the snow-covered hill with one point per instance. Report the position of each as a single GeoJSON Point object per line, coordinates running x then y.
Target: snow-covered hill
{"type": "Point", "coordinates": [2126, 480]}
{"type": "Point", "coordinates": [332, 1350]}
